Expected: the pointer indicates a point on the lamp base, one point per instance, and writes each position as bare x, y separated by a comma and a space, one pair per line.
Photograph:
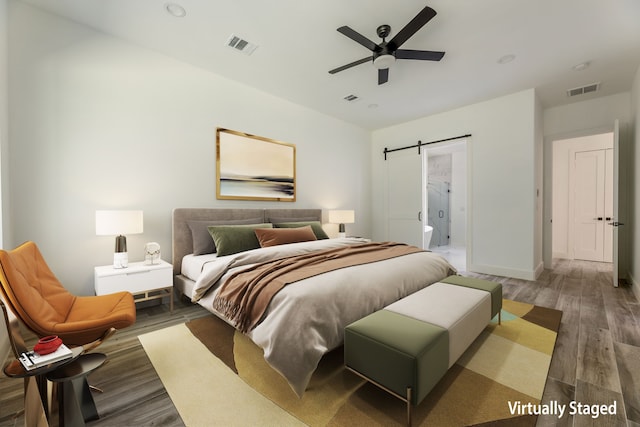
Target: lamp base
120, 260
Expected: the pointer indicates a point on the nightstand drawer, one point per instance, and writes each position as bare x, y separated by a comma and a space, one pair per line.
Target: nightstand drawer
137, 278
134, 282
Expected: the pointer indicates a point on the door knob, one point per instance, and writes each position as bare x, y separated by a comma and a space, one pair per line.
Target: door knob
598, 219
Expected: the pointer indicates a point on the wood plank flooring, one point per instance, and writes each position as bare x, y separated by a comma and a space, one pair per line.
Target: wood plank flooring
596, 360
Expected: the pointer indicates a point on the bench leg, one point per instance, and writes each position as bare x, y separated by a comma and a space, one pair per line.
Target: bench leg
409, 406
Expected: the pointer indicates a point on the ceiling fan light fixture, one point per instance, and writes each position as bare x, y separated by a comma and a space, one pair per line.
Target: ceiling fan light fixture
384, 61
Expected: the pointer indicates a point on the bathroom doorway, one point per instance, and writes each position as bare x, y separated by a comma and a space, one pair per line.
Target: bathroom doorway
445, 171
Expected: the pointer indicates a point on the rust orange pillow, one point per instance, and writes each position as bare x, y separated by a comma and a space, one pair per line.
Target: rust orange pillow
281, 236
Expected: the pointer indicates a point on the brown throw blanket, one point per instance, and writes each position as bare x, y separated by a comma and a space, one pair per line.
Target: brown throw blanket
243, 298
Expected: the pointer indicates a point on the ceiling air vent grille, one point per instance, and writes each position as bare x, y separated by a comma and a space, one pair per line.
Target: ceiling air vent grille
593, 87
239, 44
350, 98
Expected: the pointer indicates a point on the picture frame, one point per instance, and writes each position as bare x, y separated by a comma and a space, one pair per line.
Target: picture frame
250, 167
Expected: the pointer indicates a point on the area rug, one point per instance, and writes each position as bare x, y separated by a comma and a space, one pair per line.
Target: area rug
217, 376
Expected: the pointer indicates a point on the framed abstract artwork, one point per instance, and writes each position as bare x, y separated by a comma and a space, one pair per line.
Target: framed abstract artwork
250, 167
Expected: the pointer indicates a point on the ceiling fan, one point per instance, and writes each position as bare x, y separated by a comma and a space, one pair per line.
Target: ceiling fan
386, 53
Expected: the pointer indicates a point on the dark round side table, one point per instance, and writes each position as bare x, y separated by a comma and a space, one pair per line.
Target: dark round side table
36, 408
71, 388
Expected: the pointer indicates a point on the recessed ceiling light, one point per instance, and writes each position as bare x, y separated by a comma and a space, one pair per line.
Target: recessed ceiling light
174, 9
581, 66
506, 58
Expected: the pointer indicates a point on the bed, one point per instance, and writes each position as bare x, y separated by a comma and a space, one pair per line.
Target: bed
304, 317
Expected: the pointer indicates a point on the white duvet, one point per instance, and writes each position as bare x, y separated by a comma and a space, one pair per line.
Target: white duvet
306, 319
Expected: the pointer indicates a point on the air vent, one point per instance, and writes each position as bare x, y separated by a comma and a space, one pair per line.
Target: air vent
239, 44
350, 97
593, 87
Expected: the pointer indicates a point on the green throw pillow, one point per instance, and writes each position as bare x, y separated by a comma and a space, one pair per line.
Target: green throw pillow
231, 239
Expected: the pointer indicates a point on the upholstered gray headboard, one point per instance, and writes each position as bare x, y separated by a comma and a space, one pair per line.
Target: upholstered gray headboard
182, 241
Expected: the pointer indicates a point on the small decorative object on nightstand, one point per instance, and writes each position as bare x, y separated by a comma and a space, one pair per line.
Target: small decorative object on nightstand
145, 282
151, 253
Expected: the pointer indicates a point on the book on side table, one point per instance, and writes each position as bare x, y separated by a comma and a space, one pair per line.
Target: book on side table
32, 360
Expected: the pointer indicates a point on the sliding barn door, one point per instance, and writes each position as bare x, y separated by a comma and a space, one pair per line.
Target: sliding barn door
404, 197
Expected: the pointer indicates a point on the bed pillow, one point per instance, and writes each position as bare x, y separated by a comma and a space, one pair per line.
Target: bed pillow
202, 241
231, 239
316, 226
281, 236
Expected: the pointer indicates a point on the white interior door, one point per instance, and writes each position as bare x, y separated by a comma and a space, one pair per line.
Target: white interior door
404, 197
589, 214
615, 208
608, 206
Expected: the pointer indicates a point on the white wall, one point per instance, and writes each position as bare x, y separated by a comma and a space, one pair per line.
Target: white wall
4, 163
97, 123
582, 119
634, 191
502, 177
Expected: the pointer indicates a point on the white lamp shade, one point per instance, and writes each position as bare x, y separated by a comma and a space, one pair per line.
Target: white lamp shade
113, 223
342, 217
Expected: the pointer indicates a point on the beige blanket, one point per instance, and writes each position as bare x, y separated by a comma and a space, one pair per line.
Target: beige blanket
245, 295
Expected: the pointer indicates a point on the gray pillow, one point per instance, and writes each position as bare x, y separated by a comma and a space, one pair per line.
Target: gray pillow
202, 241
231, 239
316, 226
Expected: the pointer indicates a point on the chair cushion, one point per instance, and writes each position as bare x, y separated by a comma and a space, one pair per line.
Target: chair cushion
91, 316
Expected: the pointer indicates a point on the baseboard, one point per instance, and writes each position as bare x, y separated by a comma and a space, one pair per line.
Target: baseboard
506, 272
562, 255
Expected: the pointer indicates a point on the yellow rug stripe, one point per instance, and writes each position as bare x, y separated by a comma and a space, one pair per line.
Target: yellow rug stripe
203, 389
507, 363
329, 389
527, 334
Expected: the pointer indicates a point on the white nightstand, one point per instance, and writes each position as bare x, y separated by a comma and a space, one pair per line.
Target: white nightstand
145, 282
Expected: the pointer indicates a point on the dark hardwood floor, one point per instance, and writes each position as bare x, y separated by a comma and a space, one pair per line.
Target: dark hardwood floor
596, 360
597, 356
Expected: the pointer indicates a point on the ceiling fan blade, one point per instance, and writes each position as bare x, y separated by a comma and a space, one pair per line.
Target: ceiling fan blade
412, 27
383, 75
426, 55
352, 64
358, 38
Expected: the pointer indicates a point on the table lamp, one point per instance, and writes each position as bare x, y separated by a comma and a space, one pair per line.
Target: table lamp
119, 223
341, 217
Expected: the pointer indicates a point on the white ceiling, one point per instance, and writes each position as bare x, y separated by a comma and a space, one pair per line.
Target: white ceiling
298, 45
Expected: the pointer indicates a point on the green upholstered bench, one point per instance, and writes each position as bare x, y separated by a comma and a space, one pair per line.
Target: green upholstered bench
407, 347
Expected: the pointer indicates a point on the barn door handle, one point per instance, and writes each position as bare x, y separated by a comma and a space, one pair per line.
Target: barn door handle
420, 216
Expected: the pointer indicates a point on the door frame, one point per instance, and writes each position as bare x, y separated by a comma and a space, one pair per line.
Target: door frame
446, 148
547, 247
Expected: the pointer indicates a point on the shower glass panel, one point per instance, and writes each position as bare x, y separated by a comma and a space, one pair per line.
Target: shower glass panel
438, 212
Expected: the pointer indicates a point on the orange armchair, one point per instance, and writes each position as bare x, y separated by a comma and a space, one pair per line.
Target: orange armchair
37, 297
